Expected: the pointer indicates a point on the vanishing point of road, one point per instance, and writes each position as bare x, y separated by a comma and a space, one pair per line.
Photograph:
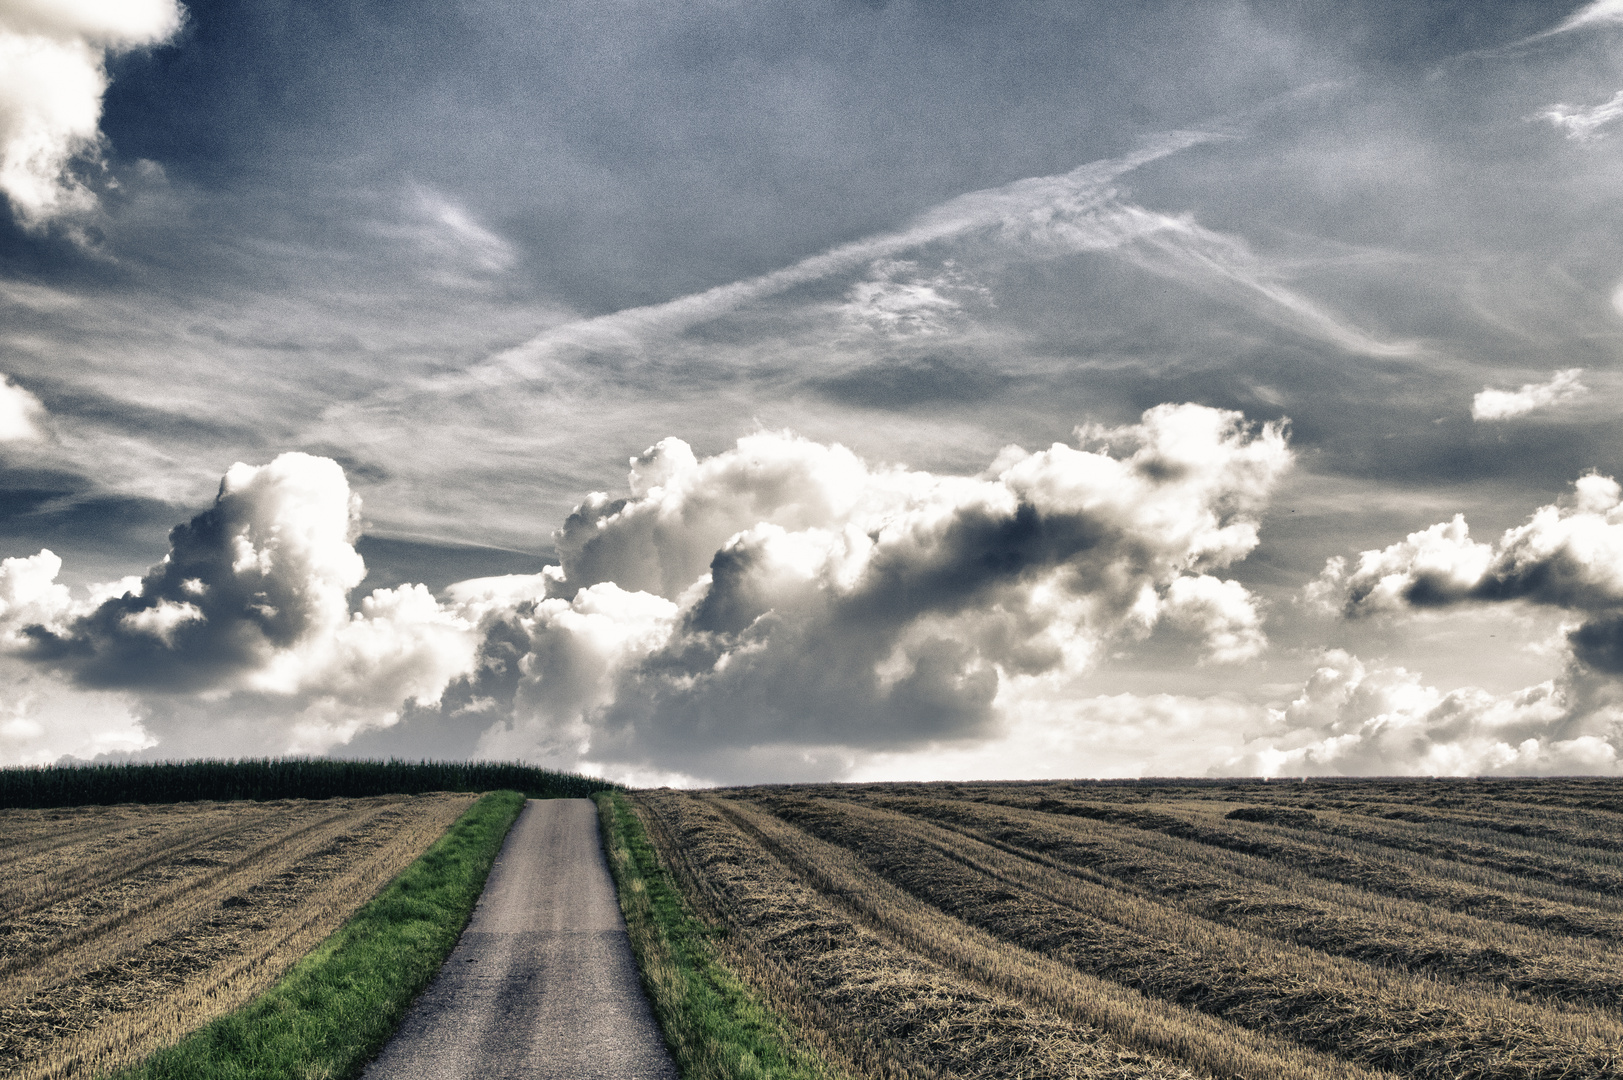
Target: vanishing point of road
542, 984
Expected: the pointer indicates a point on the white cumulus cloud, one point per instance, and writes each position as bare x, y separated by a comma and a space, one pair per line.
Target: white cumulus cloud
1353, 720
31, 597
1567, 555
787, 594
783, 597
52, 77
20, 413
250, 610
1561, 388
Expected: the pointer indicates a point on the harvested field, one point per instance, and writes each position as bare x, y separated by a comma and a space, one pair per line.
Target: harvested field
1429, 929
124, 927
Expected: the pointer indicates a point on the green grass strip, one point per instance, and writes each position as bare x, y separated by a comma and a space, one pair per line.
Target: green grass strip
335, 1009
715, 1025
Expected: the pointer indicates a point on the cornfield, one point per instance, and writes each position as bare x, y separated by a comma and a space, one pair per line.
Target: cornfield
34, 787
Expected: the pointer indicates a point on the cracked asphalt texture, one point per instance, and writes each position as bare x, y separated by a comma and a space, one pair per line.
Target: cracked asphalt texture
542, 984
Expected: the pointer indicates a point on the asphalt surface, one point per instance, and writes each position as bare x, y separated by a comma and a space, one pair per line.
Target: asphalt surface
542, 984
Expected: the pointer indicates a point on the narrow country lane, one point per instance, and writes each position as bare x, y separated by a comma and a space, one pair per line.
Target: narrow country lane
542, 984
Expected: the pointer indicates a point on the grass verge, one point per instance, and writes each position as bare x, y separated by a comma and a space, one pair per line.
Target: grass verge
715, 1025
338, 1005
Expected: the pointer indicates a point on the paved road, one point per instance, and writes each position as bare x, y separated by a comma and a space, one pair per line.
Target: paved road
542, 984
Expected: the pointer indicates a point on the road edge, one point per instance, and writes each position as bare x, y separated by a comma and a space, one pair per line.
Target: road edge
334, 1010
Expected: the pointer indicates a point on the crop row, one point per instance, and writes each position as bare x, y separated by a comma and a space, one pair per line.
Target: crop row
1231, 930
110, 965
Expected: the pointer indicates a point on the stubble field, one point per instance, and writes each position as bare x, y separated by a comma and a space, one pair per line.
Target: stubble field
1278, 931
124, 927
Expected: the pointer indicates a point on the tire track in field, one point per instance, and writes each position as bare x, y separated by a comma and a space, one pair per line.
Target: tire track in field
1485, 894
55, 884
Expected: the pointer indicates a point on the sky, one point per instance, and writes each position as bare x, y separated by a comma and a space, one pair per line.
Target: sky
844, 390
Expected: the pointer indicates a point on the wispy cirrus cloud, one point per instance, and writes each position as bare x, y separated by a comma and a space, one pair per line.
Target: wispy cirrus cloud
1584, 124
1599, 13
1072, 212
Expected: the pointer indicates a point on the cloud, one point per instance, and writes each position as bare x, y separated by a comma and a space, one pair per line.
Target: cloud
786, 594
1041, 216
781, 594
442, 240
31, 597
44, 719
1014, 210
250, 610
1583, 124
20, 413
1222, 613
1562, 387
897, 300
1348, 718
1566, 556
1060, 730
1598, 13
52, 77
1352, 720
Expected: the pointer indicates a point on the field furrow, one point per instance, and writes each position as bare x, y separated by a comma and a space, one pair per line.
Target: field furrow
61, 874
1340, 924
1453, 886
1538, 823
148, 997
888, 1011
38, 839
1208, 1044
1364, 1014
1543, 859
135, 975
70, 932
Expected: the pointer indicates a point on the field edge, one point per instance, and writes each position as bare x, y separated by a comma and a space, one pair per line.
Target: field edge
331, 1013
716, 1026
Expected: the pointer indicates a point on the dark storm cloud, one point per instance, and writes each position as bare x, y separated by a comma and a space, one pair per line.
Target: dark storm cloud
1598, 644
